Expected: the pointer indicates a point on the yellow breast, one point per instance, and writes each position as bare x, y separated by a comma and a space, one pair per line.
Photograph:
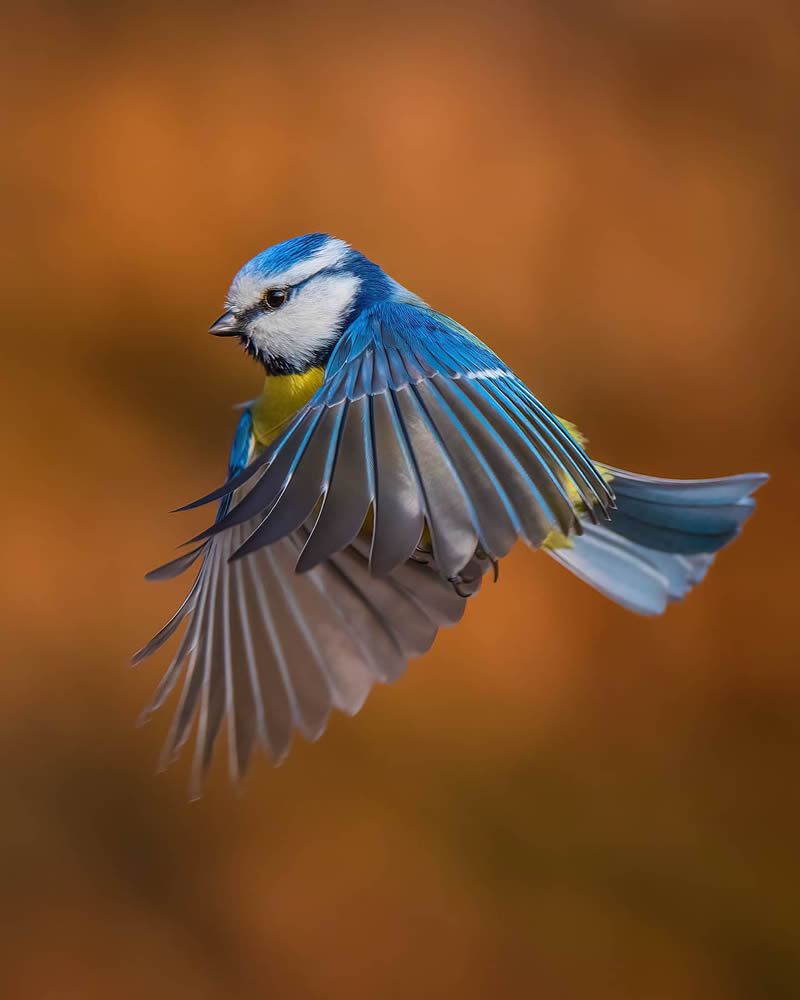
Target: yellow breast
281, 397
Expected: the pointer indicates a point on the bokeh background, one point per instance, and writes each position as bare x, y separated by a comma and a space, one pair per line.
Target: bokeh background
561, 800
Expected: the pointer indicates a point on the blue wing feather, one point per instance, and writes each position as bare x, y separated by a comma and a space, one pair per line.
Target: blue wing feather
485, 453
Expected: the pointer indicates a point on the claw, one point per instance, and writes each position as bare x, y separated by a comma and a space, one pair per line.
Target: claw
459, 581
480, 554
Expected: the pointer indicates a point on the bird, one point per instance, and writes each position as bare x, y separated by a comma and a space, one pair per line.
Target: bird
388, 465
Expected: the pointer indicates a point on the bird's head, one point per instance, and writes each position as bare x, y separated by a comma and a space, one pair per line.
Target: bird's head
290, 304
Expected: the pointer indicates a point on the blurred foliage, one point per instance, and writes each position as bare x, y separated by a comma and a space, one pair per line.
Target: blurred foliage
562, 800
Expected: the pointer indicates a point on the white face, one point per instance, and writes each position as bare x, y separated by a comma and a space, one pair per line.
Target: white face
309, 320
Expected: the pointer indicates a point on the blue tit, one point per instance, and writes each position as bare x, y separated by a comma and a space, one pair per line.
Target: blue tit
391, 460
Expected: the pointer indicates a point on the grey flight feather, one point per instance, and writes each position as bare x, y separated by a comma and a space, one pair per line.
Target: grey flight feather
268, 650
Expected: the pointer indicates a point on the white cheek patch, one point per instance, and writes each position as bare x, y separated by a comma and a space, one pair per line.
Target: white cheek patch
308, 322
248, 288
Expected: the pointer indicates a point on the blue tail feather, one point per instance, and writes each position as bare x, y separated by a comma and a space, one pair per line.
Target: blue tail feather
661, 539
682, 516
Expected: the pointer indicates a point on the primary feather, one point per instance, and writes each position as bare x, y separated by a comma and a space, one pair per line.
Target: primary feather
391, 460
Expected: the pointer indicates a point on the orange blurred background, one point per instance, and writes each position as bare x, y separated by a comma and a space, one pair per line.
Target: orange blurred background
562, 800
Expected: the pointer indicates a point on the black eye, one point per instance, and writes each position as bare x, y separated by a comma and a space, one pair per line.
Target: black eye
275, 298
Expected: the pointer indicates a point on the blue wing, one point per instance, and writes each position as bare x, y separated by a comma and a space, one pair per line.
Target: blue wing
420, 422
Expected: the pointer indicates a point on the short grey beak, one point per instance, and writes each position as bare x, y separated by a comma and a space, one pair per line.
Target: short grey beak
226, 325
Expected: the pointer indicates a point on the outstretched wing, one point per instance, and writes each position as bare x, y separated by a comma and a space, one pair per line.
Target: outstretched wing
417, 423
269, 650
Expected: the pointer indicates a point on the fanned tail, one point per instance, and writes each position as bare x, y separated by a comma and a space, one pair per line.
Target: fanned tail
662, 537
